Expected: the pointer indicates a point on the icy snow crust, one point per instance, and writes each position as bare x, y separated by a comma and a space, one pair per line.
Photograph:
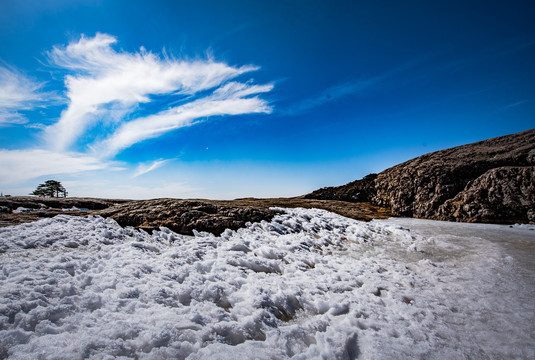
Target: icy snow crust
309, 284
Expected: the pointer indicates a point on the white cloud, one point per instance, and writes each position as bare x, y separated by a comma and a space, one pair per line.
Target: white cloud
104, 88
104, 76
121, 190
17, 92
22, 165
145, 168
227, 100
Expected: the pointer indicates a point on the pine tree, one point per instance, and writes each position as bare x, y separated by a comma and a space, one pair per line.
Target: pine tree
51, 188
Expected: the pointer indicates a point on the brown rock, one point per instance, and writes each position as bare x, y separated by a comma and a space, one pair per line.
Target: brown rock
502, 193
357, 191
184, 216
491, 179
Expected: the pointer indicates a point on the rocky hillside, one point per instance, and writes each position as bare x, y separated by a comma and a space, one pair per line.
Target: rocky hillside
488, 181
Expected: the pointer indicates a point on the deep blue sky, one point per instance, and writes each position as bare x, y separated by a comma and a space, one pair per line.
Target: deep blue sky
351, 87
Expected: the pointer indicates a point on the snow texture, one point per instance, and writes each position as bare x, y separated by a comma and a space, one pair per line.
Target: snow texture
307, 285
21, 210
74, 208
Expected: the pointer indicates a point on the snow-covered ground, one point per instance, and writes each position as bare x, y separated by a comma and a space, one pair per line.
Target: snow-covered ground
308, 285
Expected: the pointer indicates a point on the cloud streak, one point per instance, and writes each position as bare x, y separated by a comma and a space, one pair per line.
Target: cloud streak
104, 78
17, 93
352, 87
111, 105
27, 164
146, 168
228, 100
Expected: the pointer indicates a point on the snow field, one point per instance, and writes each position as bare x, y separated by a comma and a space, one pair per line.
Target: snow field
309, 284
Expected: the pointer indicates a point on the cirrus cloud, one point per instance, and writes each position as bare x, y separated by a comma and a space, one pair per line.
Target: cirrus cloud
107, 85
227, 100
146, 168
31, 163
17, 93
115, 99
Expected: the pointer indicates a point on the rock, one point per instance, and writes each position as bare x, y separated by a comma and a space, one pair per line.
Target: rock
487, 181
357, 191
184, 216
33, 202
501, 193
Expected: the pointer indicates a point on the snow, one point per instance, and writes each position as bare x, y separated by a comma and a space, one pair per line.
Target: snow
74, 208
307, 285
22, 209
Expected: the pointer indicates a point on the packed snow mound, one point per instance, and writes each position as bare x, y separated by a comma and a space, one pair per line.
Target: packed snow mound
309, 284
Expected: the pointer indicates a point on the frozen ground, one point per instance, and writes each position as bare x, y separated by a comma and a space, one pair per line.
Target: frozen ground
308, 285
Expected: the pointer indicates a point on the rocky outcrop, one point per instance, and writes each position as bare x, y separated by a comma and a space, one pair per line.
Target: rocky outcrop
21, 209
184, 216
214, 216
487, 181
357, 191
501, 193
44, 203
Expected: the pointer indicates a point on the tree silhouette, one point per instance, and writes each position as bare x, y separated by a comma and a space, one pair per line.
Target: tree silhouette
51, 188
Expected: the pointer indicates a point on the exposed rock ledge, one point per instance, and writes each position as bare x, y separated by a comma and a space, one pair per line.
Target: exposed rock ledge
182, 216
488, 181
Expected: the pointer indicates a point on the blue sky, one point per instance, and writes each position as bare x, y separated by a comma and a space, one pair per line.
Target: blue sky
227, 99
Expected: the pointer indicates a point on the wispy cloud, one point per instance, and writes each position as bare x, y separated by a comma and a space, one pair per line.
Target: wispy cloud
518, 103
133, 190
27, 164
352, 87
332, 93
17, 93
105, 78
145, 168
230, 99
105, 89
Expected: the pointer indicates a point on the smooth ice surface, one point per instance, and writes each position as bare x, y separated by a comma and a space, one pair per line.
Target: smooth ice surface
309, 284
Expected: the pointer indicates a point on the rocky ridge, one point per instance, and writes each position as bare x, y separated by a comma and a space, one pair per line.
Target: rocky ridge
182, 216
488, 181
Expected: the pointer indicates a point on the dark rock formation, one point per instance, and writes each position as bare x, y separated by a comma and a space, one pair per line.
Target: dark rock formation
33, 202
214, 216
184, 216
487, 181
501, 193
37, 208
357, 191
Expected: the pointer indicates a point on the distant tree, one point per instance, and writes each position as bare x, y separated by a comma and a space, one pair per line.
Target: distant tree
51, 188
